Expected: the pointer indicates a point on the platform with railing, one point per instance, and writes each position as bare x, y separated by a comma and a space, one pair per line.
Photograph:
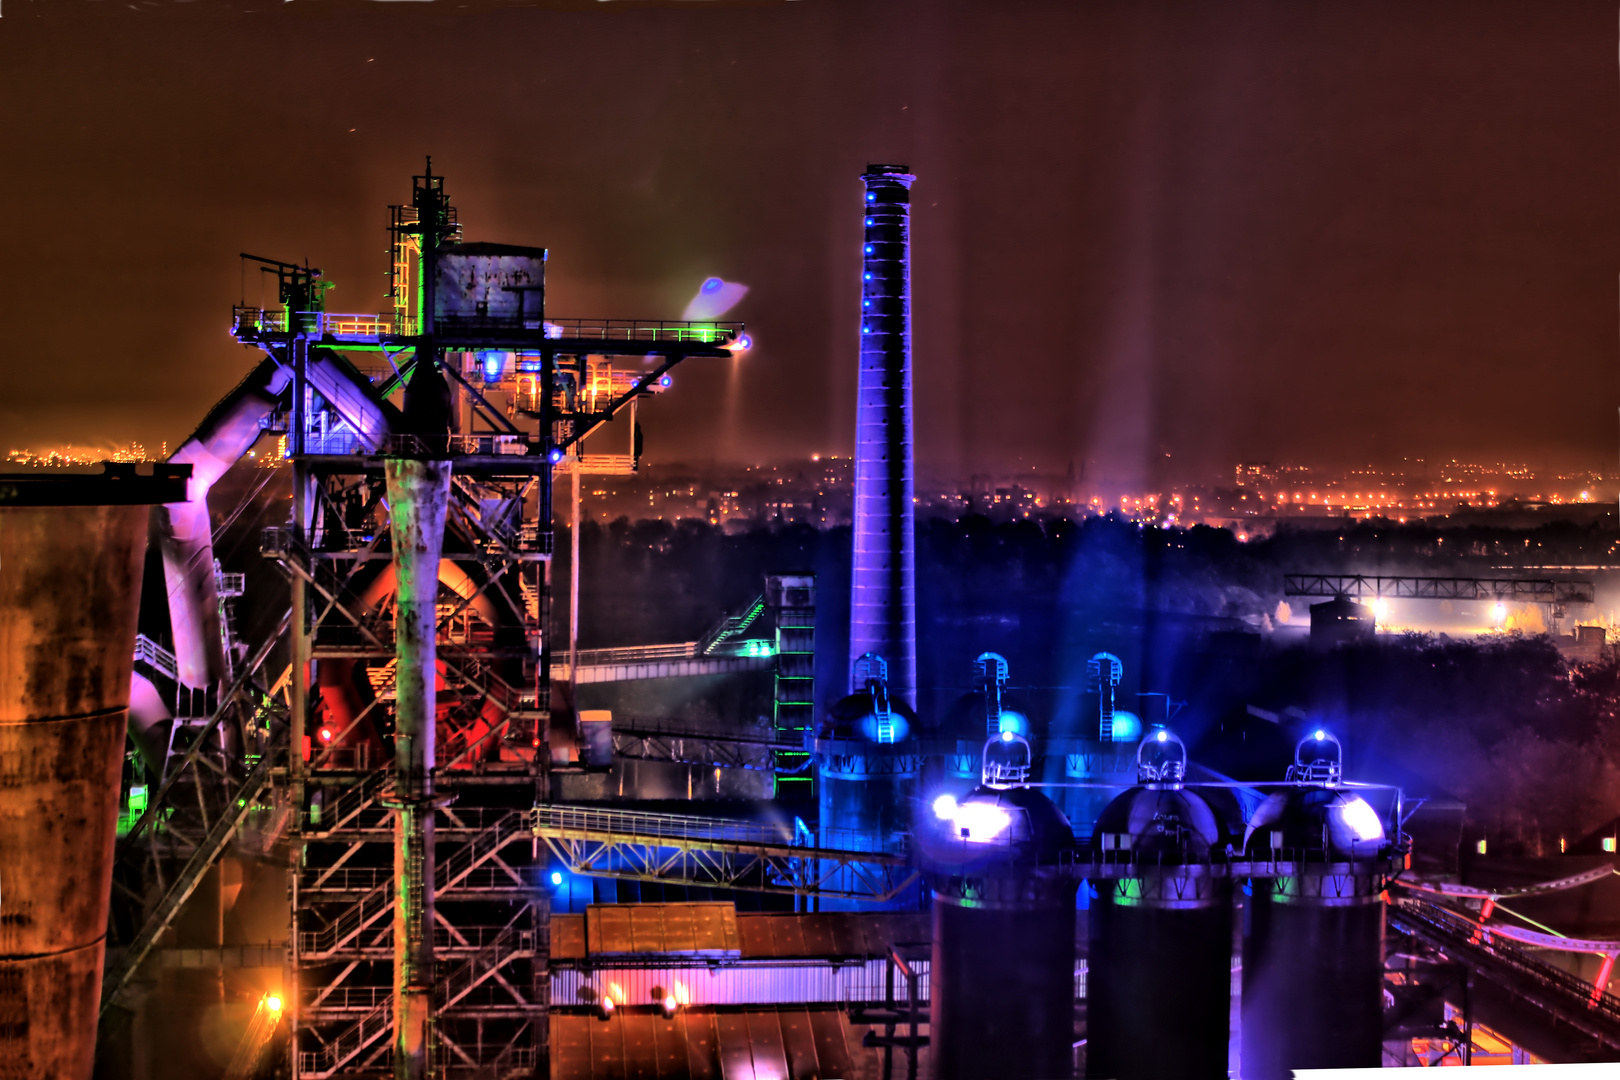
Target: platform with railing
252, 324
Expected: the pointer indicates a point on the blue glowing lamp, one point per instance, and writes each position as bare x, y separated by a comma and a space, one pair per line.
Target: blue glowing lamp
665, 381
556, 877
1320, 734
945, 807
1162, 736
555, 456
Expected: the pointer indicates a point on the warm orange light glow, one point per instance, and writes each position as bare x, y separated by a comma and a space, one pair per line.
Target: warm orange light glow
273, 1003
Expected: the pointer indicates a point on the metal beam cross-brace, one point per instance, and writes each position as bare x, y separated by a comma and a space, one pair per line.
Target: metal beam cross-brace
715, 854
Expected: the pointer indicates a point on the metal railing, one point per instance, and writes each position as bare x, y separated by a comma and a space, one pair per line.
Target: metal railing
637, 654
509, 944
348, 999
717, 333
1462, 936
155, 656
251, 321
365, 879
693, 831
318, 1064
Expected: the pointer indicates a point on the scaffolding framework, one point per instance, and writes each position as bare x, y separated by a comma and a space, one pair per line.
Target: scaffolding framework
526, 392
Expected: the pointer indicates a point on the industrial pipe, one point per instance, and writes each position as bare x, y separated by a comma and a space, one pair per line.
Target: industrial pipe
418, 497
71, 552
185, 531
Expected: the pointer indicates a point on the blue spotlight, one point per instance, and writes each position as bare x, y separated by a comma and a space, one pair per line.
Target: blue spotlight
555, 456
556, 877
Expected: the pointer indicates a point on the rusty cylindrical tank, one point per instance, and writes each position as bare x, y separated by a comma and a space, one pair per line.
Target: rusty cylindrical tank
71, 550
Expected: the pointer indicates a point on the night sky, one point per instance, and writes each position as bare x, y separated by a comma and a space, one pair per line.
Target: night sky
1321, 232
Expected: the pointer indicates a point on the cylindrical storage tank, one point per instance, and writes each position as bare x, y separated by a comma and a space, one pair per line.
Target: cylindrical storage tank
71, 550
867, 766
1159, 967
1313, 948
1001, 985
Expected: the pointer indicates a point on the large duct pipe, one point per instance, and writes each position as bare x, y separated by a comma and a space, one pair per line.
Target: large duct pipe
418, 496
185, 531
883, 597
70, 584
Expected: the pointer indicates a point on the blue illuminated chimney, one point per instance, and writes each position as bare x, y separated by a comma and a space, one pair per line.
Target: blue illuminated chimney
883, 600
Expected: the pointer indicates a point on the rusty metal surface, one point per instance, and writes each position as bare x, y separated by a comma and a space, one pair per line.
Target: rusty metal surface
69, 593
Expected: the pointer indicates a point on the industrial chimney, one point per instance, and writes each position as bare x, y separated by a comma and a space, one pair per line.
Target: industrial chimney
883, 595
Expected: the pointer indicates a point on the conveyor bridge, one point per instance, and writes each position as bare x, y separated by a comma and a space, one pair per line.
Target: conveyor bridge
716, 853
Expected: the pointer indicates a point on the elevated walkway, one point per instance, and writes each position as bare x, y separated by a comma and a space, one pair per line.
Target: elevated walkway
654, 662
715, 853
1553, 1014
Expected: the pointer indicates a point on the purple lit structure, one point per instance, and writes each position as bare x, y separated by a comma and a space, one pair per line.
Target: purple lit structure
883, 594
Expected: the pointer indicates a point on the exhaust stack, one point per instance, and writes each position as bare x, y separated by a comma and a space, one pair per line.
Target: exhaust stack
883, 595
71, 552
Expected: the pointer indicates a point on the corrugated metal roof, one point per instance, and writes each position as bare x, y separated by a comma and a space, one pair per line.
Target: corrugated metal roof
690, 929
780, 1043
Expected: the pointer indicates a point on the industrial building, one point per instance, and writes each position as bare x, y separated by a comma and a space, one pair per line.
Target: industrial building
402, 777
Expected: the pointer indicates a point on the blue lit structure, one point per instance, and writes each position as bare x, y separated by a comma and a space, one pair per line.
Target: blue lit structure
1000, 864
1160, 928
867, 759
883, 593
1101, 754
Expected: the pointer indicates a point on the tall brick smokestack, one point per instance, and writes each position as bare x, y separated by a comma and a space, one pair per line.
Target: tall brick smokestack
883, 600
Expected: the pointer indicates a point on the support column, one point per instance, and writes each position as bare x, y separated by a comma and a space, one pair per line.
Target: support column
573, 581
418, 494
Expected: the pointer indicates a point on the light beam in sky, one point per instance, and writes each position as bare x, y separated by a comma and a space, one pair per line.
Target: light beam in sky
714, 298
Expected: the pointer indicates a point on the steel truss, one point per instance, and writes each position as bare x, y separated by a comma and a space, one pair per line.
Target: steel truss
1521, 590
556, 383
718, 854
645, 740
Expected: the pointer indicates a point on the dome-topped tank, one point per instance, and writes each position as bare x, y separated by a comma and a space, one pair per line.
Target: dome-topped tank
1100, 749
1156, 821
1001, 863
857, 717
993, 824
1160, 964
1313, 951
984, 712
867, 761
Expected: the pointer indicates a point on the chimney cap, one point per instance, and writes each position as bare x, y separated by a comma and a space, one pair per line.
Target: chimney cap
887, 170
